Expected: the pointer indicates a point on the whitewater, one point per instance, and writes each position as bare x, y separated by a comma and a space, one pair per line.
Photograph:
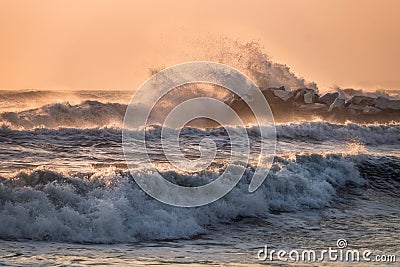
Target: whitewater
65, 188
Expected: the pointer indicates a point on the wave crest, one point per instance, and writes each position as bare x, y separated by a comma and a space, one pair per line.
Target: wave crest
87, 114
107, 206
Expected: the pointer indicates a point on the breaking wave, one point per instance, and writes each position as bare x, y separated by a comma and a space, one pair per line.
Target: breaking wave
369, 134
107, 206
87, 114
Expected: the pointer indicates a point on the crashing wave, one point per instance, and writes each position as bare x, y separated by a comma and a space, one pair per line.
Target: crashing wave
87, 114
107, 206
368, 134
286, 106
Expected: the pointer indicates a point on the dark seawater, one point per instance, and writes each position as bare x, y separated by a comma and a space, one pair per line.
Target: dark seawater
67, 198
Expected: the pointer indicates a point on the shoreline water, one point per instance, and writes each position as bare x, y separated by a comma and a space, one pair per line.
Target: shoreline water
66, 197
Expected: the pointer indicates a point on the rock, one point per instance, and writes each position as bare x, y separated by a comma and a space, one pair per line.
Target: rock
313, 106
352, 92
337, 104
371, 110
363, 100
327, 99
384, 103
343, 95
353, 112
355, 107
358, 109
283, 94
299, 94
310, 97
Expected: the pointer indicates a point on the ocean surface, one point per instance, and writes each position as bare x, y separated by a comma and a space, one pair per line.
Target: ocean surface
68, 199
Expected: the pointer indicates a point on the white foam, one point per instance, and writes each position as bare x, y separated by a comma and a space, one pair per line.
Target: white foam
84, 115
107, 206
373, 134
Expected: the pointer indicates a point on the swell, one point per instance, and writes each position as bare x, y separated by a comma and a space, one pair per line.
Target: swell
89, 113
22, 100
368, 134
95, 113
107, 206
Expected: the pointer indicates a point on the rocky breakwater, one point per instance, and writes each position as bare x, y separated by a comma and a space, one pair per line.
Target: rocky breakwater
308, 104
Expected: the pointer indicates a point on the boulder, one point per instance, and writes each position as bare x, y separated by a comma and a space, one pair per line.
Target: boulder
310, 97
327, 99
356, 107
384, 103
343, 95
371, 110
299, 94
363, 100
353, 112
283, 94
337, 104
313, 107
365, 109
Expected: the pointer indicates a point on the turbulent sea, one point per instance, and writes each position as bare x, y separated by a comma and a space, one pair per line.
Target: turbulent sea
67, 198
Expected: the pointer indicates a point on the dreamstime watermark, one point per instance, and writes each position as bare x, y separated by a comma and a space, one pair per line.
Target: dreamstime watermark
154, 89
340, 253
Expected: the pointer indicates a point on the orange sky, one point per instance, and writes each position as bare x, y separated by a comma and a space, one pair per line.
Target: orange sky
110, 44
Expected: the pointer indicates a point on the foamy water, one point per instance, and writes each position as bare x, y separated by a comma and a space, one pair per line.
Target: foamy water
66, 196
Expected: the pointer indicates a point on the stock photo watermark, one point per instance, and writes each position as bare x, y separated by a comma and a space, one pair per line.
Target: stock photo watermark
340, 253
152, 91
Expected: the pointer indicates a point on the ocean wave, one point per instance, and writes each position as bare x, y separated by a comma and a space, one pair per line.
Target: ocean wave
94, 113
86, 114
20, 100
367, 134
107, 206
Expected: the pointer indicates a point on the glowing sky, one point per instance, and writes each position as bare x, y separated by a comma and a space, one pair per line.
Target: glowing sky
99, 44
